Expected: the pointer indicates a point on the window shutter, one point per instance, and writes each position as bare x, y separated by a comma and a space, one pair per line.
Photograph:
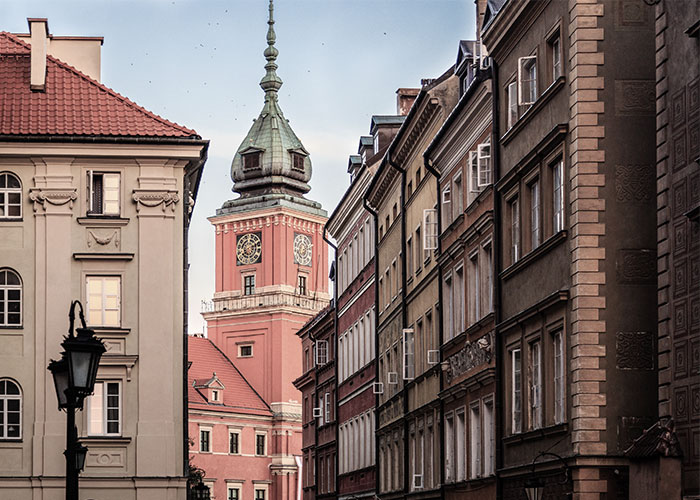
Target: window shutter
430, 236
484, 164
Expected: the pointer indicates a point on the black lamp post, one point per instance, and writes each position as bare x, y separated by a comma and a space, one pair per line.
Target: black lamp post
74, 378
534, 486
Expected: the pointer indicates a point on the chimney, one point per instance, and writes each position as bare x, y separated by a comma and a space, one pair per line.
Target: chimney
39, 33
404, 100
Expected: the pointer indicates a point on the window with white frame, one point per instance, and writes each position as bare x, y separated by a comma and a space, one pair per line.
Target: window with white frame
458, 301
558, 196
461, 445
554, 44
10, 410
527, 79
104, 409
409, 257
260, 443
514, 213
535, 231
104, 300
474, 172
10, 298
475, 441
449, 448
419, 250
249, 284
535, 385
245, 350
321, 347
559, 377
512, 100
457, 205
409, 367
489, 438
327, 402
484, 164
446, 206
234, 442
515, 391
10, 196
430, 233
233, 493
103, 193
260, 493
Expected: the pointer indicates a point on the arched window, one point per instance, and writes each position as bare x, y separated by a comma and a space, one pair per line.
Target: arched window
10, 196
10, 298
10, 410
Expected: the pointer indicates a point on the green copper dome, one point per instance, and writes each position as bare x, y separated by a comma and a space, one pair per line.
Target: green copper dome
271, 159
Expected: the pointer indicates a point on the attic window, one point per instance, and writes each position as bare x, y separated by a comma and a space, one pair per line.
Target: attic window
298, 162
215, 395
251, 161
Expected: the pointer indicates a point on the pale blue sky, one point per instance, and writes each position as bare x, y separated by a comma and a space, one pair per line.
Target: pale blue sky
198, 63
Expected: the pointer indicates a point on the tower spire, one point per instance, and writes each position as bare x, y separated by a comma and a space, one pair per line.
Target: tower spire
271, 83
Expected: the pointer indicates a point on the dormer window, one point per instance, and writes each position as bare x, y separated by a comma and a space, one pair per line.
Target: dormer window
215, 396
298, 162
251, 160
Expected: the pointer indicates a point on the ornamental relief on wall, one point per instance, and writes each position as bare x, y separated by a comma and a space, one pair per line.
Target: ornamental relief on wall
473, 354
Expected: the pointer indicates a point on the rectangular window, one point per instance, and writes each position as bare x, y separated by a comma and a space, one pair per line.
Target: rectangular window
449, 448
474, 289
104, 410
419, 250
515, 394
302, 285
458, 301
558, 196
245, 351
559, 387
512, 103
409, 366
233, 494
103, 193
249, 284
475, 441
489, 438
234, 438
448, 310
104, 300
298, 162
527, 78
446, 206
205, 440
514, 212
409, 257
535, 385
430, 235
457, 205
260, 444
409, 189
487, 263
327, 401
460, 438
251, 160
321, 347
484, 164
259, 494
535, 215
474, 171
555, 51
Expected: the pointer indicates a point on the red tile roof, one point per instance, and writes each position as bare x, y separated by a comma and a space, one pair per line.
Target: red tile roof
73, 104
238, 395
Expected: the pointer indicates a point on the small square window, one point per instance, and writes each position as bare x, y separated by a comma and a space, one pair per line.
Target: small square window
245, 351
251, 161
249, 284
298, 162
302, 285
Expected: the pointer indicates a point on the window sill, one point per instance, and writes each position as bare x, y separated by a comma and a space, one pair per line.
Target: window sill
11, 327
11, 219
531, 435
105, 440
10, 440
533, 109
103, 221
103, 256
535, 254
110, 330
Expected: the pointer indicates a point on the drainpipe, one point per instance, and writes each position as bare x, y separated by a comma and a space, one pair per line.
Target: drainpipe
404, 312
498, 265
375, 217
335, 351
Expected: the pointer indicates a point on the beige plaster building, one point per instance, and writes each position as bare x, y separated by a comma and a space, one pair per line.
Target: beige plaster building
95, 197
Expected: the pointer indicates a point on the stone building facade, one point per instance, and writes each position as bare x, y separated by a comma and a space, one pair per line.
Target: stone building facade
96, 195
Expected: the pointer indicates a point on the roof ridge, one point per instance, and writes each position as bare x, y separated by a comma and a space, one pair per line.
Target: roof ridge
239, 372
104, 88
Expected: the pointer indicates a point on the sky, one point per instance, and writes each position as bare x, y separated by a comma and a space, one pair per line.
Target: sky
198, 63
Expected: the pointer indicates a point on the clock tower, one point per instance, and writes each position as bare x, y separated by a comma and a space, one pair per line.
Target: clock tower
271, 264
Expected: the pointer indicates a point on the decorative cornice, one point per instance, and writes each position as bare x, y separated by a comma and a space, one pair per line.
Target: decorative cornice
52, 196
155, 197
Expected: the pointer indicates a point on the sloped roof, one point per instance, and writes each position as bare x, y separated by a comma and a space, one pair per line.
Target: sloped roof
72, 104
238, 395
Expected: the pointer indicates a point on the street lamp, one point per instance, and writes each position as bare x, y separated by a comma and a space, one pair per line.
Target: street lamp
534, 486
200, 491
74, 378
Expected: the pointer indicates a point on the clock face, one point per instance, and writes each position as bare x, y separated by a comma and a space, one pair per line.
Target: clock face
249, 249
302, 249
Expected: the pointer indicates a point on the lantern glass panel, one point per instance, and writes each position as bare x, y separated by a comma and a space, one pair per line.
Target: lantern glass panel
80, 369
